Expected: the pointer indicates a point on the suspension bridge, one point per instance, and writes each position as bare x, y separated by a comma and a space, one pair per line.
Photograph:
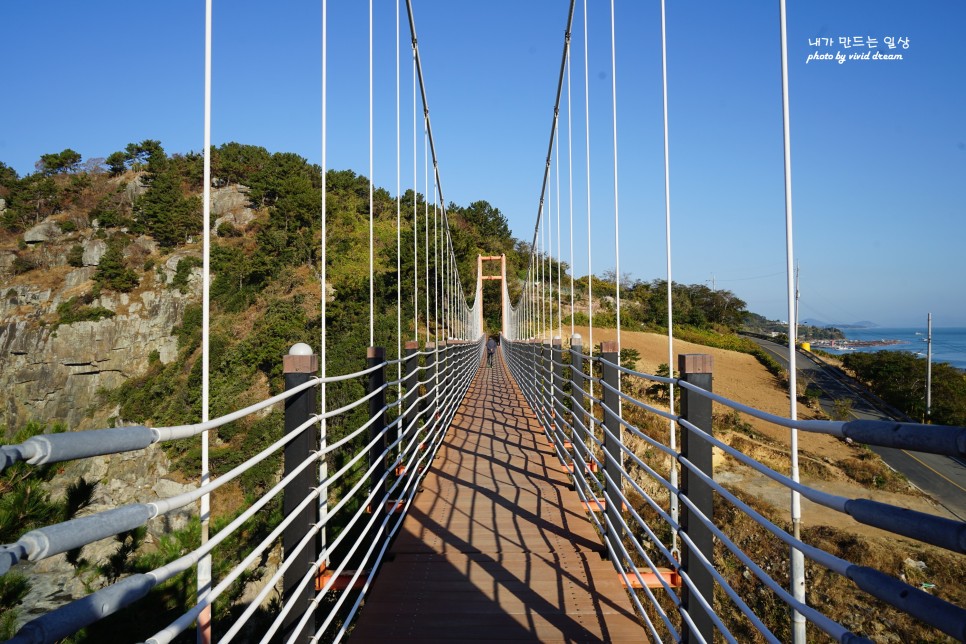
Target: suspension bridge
527, 500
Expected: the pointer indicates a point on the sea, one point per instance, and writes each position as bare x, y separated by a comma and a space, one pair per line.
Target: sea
948, 343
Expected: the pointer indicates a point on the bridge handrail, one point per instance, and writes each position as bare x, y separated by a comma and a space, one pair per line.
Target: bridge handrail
578, 473
65, 620
918, 603
68, 446
934, 439
922, 526
539, 376
452, 375
75, 533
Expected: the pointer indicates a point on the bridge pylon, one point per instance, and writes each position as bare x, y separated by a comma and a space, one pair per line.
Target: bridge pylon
503, 290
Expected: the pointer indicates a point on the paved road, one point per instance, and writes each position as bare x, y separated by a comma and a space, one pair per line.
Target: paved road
941, 477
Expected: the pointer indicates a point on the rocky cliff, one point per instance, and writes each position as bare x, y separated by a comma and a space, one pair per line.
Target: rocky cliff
53, 368
53, 371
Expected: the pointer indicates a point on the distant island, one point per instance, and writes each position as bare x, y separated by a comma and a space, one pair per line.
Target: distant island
808, 330
863, 324
846, 345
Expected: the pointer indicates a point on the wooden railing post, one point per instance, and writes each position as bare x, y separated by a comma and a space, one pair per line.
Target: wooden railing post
696, 409
298, 367
613, 438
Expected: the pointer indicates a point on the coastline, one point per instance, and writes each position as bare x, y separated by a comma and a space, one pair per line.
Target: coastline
948, 343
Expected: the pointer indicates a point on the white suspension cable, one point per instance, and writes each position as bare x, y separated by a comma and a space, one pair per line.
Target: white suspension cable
672, 426
426, 217
547, 273
543, 281
559, 287
590, 267
570, 186
399, 352
372, 283
323, 426
415, 213
436, 276
204, 566
617, 244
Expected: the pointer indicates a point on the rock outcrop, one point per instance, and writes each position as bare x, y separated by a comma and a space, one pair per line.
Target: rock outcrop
54, 372
51, 370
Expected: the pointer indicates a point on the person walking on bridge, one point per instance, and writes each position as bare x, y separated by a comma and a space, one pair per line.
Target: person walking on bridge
490, 348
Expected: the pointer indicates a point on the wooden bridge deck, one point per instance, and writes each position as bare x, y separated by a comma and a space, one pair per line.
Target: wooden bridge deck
496, 546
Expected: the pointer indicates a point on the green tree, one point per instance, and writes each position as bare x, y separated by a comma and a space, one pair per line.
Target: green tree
60, 162
75, 256
166, 213
237, 163
117, 163
147, 153
8, 176
112, 271
31, 200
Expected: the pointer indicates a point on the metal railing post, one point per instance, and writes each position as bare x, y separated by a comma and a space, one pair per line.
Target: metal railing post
410, 382
299, 366
429, 403
696, 369
439, 376
577, 401
613, 437
377, 410
544, 381
557, 380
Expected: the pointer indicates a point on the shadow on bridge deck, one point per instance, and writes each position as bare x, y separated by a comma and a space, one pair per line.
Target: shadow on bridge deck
496, 545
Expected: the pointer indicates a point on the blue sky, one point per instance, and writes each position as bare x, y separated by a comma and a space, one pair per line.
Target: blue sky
878, 147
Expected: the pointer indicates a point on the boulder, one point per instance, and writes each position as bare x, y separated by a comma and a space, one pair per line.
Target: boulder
94, 249
230, 205
135, 189
229, 199
44, 231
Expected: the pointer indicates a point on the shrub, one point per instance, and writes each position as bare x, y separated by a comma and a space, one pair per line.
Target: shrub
112, 272
22, 264
75, 257
227, 229
183, 272
76, 310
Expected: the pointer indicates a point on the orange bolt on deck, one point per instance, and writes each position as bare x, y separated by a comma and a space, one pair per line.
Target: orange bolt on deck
589, 466
391, 507
496, 547
342, 581
599, 505
652, 579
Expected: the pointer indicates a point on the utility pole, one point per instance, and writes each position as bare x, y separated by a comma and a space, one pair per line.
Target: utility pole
928, 366
798, 295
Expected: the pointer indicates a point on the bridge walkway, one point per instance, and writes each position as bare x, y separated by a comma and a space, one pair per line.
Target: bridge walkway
496, 545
